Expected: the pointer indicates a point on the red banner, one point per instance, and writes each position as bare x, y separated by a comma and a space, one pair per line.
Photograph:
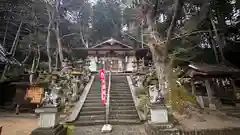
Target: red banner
103, 86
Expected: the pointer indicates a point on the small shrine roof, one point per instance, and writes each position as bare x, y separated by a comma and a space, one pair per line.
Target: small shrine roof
210, 70
111, 42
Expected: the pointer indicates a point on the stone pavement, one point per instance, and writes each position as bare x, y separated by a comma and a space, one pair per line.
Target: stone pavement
117, 130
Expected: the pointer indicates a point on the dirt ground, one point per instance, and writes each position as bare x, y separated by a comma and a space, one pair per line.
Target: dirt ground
17, 125
214, 120
22, 124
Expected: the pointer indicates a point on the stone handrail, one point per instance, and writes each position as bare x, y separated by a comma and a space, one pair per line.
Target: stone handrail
108, 97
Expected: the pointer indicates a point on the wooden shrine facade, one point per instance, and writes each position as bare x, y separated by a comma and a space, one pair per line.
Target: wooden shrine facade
112, 54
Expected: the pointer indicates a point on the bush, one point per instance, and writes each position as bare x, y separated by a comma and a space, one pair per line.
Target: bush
178, 95
143, 105
141, 91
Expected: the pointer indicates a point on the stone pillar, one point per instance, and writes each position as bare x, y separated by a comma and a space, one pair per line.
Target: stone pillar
49, 122
209, 93
193, 87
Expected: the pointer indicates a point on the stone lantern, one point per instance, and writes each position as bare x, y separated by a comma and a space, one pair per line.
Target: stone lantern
159, 113
48, 123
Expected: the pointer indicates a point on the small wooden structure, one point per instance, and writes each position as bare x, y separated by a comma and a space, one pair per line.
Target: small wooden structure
27, 95
213, 84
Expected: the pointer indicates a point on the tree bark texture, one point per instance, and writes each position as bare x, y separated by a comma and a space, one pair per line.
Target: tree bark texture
60, 49
57, 32
48, 42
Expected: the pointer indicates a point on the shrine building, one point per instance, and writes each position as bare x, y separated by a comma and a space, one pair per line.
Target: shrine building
124, 58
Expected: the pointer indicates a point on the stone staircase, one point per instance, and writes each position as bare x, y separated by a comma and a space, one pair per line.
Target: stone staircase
122, 108
93, 111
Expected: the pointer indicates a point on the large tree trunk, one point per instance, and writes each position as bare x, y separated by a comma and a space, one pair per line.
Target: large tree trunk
160, 68
35, 65
159, 49
56, 59
83, 41
57, 32
219, 41
60, 50
48, 42
32, 70
213, 45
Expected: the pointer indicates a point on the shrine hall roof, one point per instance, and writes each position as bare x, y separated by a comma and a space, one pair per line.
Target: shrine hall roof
204, 69
111, 42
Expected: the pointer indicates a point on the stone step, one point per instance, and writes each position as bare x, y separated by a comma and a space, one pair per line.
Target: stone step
120, 98
124, 122
124, 116
115, 83
93, 104
116, 88
121, 104
92, 117
82, 113
90, 108
93, 97
126, 91
237, 115
102, 122
89, 123
119, 84
119, 87
93, 94
121, 94
120, 90
93, 101
115, 112
121, 101
122, 107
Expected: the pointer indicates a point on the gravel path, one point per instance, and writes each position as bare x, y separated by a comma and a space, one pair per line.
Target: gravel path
117, 130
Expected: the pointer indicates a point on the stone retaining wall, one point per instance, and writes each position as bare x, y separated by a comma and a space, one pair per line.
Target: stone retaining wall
154, 130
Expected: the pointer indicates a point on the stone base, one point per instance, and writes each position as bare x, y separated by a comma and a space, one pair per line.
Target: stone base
159, 114
58, 130
107, 128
